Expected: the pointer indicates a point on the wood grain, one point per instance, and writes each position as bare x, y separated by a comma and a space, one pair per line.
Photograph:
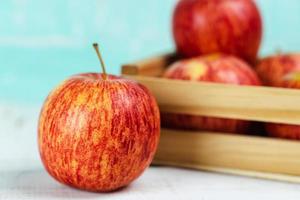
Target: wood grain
248, 173
228, 101
257, 157
149, 67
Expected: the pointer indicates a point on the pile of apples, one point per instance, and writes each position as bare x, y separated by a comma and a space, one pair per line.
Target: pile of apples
218, 41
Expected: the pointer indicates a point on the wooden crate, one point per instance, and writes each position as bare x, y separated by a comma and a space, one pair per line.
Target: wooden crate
236, 154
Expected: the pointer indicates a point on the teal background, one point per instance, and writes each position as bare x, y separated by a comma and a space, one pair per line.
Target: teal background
43, 42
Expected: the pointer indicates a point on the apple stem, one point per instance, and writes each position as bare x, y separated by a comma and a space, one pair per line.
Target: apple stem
96, 47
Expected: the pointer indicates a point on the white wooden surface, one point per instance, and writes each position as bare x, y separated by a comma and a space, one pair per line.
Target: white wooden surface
23, 177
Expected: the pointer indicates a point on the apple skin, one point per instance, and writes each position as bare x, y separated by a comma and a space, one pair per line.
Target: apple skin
217, 68
98, 135
210, 26
272, 69
285, 131
292, 81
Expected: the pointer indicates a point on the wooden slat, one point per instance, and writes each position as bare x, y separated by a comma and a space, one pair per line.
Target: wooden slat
257, 157
229, 101
248, 173
149, 67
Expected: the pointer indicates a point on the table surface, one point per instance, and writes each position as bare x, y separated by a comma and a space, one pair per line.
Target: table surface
155, 183
23, 177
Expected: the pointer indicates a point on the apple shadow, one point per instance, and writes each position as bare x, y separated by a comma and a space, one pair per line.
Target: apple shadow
38, 184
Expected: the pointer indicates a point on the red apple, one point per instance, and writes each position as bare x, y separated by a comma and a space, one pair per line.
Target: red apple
98, 132
209, 26
291, 80
214, 68
272, 69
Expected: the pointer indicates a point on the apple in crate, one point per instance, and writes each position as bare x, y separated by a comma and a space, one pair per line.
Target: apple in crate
98, 132
217, 68
292, 81
272, 69
228, 26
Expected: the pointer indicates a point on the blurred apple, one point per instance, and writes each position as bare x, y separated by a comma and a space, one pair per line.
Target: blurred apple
217, 68
291, 80
272, 69
209, 26
98, 132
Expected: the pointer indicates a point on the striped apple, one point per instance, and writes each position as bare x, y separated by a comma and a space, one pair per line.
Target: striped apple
272, 69
217, 68
209, 26
98, 132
